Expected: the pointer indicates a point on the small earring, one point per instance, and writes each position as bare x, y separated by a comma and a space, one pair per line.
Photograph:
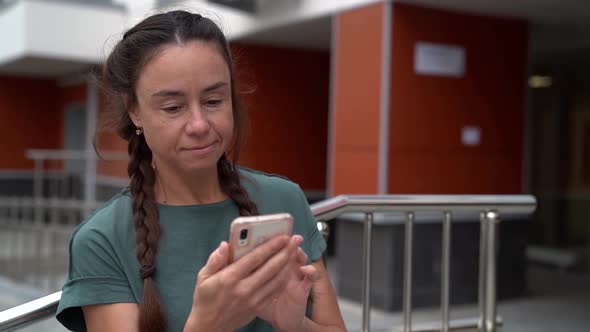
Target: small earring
138, 131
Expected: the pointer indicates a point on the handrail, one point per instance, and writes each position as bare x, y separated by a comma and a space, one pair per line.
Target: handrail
505, 204
490, 207
46, 154
29, 313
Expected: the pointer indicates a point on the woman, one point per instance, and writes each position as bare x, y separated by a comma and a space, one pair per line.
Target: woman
154, 257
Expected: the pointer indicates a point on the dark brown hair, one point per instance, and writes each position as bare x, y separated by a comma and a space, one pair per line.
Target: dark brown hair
118, 80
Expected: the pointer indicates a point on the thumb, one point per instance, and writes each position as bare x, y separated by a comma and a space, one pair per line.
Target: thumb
216, 262
310, 273
310, 276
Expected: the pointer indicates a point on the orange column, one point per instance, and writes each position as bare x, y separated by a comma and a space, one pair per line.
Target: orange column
356, 103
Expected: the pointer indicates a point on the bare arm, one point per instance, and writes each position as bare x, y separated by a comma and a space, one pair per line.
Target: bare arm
326, 314
115, 317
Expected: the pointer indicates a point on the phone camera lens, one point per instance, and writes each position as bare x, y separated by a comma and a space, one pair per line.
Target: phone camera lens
243, 234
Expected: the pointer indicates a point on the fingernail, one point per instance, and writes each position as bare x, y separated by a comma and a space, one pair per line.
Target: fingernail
297, 239
222, 249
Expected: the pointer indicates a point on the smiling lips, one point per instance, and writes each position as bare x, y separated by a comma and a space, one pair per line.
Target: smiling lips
202, 150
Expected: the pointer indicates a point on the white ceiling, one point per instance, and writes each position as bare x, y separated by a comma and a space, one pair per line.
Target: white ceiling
313, 34
556, 24
44, 67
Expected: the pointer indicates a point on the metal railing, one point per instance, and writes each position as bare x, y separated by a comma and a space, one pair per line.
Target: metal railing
34, 236
85, 160
490, 208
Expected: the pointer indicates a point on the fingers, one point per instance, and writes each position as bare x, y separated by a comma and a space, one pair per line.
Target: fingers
257, 257
301, 256
311, 275
271, 289
310, 272
216, 262
274, 265
306, 278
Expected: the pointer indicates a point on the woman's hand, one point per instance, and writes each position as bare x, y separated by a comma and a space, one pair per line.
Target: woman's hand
286, 312
228, 296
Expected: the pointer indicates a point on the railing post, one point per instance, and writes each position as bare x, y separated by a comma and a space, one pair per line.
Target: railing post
409, 237
38, 188
89, 154
53, 179
487, 272
366, 292
482, 271
446, 272
492, 219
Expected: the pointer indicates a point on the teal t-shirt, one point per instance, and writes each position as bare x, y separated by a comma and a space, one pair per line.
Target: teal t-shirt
103, 265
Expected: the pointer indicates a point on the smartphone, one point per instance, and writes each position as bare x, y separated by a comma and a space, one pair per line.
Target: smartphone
246, 233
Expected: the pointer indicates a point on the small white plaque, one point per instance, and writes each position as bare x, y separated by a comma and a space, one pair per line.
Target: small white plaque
439, 59
470, 135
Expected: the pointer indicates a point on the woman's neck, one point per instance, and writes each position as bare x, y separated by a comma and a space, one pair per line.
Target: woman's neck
179, 188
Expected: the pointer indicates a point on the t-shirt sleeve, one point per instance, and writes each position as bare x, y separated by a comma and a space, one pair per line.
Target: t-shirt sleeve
313, 244
95, 276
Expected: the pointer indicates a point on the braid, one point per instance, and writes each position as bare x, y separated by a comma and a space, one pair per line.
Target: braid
148, 231
231, 186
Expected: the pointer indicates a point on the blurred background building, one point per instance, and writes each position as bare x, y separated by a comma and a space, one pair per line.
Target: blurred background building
345, 97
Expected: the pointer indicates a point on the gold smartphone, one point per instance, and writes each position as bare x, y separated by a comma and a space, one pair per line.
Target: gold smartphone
246, 233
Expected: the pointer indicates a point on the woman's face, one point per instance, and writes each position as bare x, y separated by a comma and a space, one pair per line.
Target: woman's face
184, 106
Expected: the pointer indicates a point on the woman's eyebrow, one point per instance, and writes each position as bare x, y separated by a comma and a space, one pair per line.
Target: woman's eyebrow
168, 93
215, 86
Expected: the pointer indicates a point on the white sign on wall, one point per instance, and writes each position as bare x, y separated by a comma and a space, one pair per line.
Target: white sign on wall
470, 135
439, 59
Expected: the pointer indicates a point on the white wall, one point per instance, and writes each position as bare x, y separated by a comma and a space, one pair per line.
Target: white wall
58, 30
12, 32
70, 31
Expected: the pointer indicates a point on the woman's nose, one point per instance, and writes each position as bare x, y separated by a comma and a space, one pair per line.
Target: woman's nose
198, 123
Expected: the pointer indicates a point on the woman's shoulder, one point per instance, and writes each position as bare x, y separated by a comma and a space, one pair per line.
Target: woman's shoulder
273, 193
107, 219
267, 183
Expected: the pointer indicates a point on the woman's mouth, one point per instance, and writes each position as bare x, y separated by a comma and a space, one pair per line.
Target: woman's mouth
202, 150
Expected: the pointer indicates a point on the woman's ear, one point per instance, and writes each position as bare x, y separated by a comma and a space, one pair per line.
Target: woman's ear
132, 111
135, 118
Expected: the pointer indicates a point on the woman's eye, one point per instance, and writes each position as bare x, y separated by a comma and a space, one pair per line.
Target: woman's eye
213, 102
172, 109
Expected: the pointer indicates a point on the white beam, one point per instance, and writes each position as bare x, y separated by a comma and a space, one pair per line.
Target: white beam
12, 32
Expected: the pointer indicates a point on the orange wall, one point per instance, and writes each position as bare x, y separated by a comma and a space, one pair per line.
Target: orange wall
72, 94
110, 141
29, 119
357, 93
288, 111
427, 113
